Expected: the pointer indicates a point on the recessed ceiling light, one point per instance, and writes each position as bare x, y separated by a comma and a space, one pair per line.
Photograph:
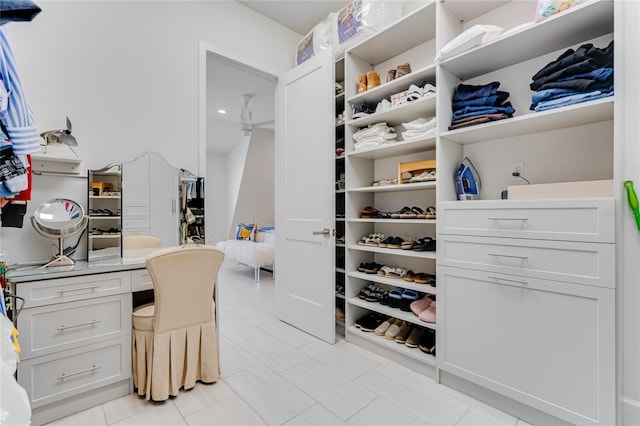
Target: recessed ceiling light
221, 111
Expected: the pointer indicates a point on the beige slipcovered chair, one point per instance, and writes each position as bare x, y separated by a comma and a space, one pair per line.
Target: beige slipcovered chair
175, 340
138, 241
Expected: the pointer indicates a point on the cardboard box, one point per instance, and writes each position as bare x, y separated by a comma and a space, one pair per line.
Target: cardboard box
586, 189
400, 98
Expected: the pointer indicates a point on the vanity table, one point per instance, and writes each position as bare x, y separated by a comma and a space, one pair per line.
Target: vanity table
75, 333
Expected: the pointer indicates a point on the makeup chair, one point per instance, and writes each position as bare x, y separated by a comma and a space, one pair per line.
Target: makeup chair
175, 339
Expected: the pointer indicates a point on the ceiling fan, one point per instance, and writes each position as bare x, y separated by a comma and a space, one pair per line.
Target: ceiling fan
246, 117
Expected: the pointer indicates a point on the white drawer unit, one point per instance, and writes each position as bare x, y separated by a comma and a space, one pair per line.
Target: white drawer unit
61, 375
527, 302
579, 263
141, 280
48, 329
47, 292
569, 220
550, 345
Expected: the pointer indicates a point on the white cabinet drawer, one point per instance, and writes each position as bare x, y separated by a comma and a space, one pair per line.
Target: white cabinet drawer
141, 280
543, 344
579, 263
47, 292
61, 375
48, 329
590, 220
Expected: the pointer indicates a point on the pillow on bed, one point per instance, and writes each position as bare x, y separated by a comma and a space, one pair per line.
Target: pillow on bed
245, 232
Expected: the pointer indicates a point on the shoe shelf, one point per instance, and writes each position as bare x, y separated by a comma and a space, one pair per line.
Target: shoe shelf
397, 85
405, 221
395, 149
104, 217
392, 312
397, 252
560, 118
104, 236
425, 107
414, 353
341, 270
341, 191
394, 282
397, 187
104, 197
589, 20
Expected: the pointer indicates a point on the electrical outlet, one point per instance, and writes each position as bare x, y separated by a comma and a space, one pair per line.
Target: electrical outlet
518, 169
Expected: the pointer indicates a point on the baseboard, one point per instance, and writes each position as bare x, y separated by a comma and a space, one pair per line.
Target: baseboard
630, 412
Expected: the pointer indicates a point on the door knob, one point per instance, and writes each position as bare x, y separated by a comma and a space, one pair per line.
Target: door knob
326, 232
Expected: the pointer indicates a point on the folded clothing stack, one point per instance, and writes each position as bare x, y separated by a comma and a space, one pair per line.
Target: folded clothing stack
576, 76
374, 135
479, 104
419, 128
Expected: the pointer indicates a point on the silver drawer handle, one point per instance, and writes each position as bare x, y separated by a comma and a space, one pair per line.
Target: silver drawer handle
508, 280
508, 218
508, 255
78, 289
88, 370
65, 327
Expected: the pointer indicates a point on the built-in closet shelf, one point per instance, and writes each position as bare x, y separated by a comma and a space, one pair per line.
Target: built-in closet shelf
396, 188
412, 30
104, 197
104, 217
340, 296
104, 237
575, 25
425, 107
395, 282
340, 158
560, 118
340, 219
340, 97
340, 245
392, 312
395, 86
412, 221
341, 270
414, 353
395, 149
341, 191
397, 252
340, 124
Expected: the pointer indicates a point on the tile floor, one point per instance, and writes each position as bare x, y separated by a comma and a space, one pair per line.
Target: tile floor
275, 374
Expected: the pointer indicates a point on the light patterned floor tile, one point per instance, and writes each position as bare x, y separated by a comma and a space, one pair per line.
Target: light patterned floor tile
413, 394
91, 417
275, 399
237, 330
522, 423
288, 334
201, 396
274, 353
230, 411
234, 359
339, 358
479, 417
385, 412
316, 416
162, 414
338, 394
124, 407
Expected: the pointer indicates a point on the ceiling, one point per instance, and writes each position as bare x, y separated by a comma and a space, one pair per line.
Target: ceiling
227, 81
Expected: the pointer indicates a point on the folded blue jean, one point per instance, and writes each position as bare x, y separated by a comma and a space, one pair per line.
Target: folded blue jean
571, 100
493, 100
572, 71
551, 94
17, 10
579, 83
472, 111
466, 91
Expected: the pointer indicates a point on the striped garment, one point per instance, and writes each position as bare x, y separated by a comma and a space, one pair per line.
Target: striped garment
17, 117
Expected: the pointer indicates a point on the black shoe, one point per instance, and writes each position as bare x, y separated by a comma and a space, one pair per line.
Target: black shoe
427, 343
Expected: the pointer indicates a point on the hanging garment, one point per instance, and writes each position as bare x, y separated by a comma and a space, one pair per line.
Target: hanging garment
17, 10
17, 117
12, 215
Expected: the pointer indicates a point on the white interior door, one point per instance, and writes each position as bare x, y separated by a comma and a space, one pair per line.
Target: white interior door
305, 197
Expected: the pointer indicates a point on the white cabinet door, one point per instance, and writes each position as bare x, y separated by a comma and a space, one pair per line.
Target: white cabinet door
305, 201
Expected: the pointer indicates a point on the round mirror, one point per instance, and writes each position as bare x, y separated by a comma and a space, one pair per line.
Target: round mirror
59, 218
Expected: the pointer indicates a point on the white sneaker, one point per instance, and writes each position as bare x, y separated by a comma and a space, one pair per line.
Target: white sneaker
383, 105
415, 93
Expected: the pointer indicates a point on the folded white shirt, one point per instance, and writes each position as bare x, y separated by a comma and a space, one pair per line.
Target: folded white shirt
420, 124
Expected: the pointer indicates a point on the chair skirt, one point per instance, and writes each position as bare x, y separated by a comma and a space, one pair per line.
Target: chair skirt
163, 363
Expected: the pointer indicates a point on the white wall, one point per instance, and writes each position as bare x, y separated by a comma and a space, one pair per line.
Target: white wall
216, 211
236, 159
126, 73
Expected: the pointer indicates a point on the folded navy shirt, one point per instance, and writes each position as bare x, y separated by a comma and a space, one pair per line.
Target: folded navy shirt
17, 10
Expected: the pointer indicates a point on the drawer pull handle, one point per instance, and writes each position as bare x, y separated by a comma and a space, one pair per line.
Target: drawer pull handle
508, 280
78, 289
509, 255
508, 218
87, 370
65, 327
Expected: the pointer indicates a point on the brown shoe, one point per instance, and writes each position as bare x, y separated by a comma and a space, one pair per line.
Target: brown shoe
362, 83
403, 69
391, 75
373, 79
404, 332
414, 337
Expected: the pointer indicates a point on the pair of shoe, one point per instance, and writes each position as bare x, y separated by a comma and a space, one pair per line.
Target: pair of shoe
402, 298
369, 268
416, 92
385, 182
425, 309
425, 176
368, 81
425, 244
427, 343
399, 71
390, 328
340, 317
392, 272
368, 212
419, 277
370, 321
372, 239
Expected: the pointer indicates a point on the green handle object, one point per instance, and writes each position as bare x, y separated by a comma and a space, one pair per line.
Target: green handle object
633, 200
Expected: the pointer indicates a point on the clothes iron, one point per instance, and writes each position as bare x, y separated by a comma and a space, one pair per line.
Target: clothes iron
467, 181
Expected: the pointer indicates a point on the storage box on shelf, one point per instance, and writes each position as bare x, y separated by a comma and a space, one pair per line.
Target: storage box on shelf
409, 41
104, 229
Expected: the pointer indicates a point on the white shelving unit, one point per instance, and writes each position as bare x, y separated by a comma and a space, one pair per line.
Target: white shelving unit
340, 174
104, 229
570, 144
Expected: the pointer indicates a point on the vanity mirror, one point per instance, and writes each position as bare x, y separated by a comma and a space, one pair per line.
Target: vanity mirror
59, 218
